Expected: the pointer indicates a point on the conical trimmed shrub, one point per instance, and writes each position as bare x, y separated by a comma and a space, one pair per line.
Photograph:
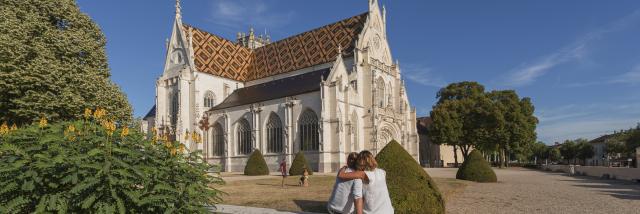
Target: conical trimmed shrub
256, 165
475, 168
298, 165
411, 189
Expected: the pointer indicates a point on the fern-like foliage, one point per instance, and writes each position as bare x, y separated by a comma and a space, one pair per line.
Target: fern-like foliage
91, 168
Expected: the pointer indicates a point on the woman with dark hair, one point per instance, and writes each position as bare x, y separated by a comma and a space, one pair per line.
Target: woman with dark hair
375, 192
347, 193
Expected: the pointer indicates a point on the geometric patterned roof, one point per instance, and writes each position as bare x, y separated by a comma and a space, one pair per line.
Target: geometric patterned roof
221, 57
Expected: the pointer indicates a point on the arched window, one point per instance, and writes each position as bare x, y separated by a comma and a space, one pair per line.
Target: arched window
380, 92
308, 129
209, 99
174, 108
243, 135
217, 143
274, 134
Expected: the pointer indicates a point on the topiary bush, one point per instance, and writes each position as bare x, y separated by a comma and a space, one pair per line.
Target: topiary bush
298, 165
94, 166
411, 189
256, 165
475, 168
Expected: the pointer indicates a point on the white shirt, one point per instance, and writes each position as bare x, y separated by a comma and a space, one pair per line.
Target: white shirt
343, 195
376, 194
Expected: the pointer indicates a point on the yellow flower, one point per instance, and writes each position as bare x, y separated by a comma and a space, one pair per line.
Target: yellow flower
168, 144
109, 126
14, 127
71, 128
125, 132
186, 135
43, 122
87, 113
99, 113
173, 151
4, 129
181, 148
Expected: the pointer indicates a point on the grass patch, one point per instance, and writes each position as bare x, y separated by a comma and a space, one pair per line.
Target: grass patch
268, 193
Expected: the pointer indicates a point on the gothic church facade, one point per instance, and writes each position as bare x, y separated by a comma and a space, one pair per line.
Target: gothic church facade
325, 92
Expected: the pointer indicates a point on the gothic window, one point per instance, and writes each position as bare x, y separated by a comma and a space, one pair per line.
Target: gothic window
274, 134
209, 99
380, 92
308, 129
174, 108
217, 143
243, 136
226, 90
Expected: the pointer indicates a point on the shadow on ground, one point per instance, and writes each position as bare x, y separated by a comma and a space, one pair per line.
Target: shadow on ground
312, 206
616, 188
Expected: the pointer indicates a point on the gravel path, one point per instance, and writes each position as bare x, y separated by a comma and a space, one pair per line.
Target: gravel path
530, 191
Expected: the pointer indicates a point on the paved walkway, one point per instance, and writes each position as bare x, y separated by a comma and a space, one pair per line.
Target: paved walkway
531, 191
225, 209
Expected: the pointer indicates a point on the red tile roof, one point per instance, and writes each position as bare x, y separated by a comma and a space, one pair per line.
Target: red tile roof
221, 57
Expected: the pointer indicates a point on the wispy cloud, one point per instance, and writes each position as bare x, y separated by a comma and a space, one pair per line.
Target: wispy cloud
422, 75
529, 72
233, 14
586, 121
630, 77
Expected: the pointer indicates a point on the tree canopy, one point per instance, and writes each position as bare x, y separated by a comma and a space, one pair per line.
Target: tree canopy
466, 117
53, 64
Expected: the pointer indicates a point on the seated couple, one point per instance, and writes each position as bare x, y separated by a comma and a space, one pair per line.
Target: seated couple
360, 187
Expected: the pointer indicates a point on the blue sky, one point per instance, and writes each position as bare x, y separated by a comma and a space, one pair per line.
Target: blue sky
579, 60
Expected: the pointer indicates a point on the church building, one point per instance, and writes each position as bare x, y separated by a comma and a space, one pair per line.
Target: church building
325, 92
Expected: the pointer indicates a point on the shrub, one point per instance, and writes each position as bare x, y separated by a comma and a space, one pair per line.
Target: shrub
298, 165
256, 165
411, 189
92, 166
475, 168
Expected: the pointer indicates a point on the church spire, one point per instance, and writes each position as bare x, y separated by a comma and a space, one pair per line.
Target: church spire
178, 9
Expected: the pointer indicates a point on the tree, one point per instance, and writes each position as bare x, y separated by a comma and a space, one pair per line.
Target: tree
585, 150
475, 168
615, 147
256, 165
410, 187
539, 150
298, 165
554, 154
569, 151
460, 117
53, 64
514, 129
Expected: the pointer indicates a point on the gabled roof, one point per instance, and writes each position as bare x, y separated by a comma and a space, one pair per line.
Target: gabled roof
221, 57
290, 86
151, 113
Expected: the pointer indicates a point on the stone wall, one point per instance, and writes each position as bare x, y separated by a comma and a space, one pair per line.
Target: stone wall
630, 174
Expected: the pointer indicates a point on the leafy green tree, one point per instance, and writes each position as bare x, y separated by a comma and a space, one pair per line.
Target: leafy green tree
92, 166
53, 63
515, 125
539, 151
460, 117
569, 151
554, 154
585, 150
614, 147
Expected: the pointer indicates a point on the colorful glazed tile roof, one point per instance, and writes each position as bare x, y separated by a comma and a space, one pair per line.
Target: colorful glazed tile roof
221, 57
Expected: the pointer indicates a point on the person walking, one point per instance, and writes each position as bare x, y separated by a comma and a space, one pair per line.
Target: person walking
283, 170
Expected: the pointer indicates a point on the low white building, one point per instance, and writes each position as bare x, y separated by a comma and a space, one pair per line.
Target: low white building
327, 92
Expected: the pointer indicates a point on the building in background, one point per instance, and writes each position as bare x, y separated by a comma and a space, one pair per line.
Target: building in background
433, 155
326, 92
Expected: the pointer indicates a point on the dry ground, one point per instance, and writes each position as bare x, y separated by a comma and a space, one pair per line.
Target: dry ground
266, 191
